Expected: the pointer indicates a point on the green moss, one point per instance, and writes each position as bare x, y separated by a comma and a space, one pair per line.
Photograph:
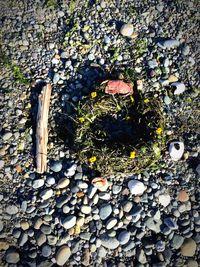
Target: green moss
52, 3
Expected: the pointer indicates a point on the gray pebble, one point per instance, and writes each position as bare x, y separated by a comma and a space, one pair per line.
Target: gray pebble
123, 237
109, 242
46, 251
38, 183
56, 166
12, 256
11, 209
7, 136
177, 241
105, 211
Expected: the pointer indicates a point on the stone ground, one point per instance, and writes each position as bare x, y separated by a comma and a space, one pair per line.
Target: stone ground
60, 218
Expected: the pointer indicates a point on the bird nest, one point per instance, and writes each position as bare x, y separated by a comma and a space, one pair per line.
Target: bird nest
117, 132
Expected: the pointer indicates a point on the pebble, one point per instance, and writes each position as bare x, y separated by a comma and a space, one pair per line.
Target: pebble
167, 100
71, 170
109, 242
50, 180
56, 166
127, 206
116, 189
185, 50
130, 245
123, 237
38, 183
176, 150
111, 223
170, 223
46, 194
188, 248
11, 210
172, 79
63, 255
183, 196
7, 136
141, 257
177, 241
56, 78
91, 57
136, 187
170, 43
179, 88
105, 211
24, 225
40, 238
12, 256
160, 246
86, 209
127, 30
69, 222
164, 200
63, 183
1, 225
153, 225
192, 263
1, 164
46, 251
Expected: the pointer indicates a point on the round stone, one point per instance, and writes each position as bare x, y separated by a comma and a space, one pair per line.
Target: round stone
51, 180
109, 242
69, 222
66, 209
176, 150
127, 30
62, 183
38, 183
111, 223
56, 166
164, 200
127, 206
11, 209
192, 263
63, 255
46, 251
46, 194
12, 256
177, 241
183, 196
136, 187
86, 209
24, 225
124, 237
188, 248
105, 211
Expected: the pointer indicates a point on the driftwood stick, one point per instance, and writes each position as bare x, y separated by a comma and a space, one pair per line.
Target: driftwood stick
42, 131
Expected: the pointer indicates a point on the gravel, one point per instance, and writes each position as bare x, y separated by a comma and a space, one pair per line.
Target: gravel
61, 217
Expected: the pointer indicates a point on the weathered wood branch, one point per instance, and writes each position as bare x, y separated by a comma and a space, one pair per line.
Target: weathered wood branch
42, 130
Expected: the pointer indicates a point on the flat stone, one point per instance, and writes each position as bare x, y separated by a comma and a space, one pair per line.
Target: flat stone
12, 256
109, 242
179, 88
86, 236
183, 196
123, 237
164, 200
6, 136
170, 43
177, 241
192, 263
69, 222
56, 166
127, 30
130, 245
188, 248
46, 194
111, 223
172, 79
38, 183
105, 211
136, 187
40, 238
63, 255
11, 209
86, 209
127, 206
46, 251
63, 183
23, 239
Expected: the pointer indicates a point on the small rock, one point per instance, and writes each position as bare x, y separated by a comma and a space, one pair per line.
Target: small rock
170, 43
24, 225
141, 257
91, 57
164, 200
71, 170
46, 251
185, 50
1, 225
7, 136
51, 180
63, 255
38, 183
1, 164
127, 30
172, 79
69, 222
136, 187
116, 189
56, 166
167, 100
124, 237
111, 223
56, 78
11, 209
86, 257
179, 88
40, 238
176, 150
183, 196
46, 194
177, 241
105, 211
153, 225
12, 256
130, 245
63, 183
127, 206
188, 248
23, 239
170, 223
160, 246
192, 263
86, 209
109, 242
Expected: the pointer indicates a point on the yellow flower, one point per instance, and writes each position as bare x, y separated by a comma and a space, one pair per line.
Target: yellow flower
132, 99
146, 100
92, 159
93, 94
159, 131
81, 119
132, 154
